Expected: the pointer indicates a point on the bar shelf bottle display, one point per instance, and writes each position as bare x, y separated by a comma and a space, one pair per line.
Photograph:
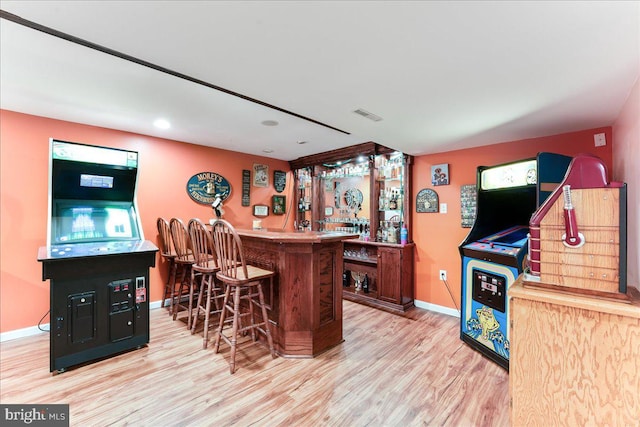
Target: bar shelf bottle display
365, 190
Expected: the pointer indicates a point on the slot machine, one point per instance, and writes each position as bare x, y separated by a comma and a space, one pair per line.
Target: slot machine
495, 250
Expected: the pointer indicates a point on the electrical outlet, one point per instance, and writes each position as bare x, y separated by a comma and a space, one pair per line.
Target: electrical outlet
443, 274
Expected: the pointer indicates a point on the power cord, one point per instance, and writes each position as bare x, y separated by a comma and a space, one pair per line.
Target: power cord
451, 295
40, 322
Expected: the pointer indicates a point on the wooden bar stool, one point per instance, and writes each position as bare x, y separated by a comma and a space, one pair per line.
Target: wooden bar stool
206, 264
185, 260
245, 281
169, 254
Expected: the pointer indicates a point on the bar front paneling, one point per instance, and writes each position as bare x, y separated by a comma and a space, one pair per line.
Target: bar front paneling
305, 301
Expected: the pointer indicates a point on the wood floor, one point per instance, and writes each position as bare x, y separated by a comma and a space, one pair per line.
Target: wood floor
389, 371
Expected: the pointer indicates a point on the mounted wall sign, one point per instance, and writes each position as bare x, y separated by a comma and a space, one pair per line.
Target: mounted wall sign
278, 205
279, 180
246, 187
260, 175
203, 187
427, 201
468, 201
440, 174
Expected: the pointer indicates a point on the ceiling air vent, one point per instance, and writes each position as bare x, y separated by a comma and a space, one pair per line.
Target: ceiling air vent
368, 115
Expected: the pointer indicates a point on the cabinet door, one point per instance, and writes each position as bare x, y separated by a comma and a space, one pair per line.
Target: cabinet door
389, 278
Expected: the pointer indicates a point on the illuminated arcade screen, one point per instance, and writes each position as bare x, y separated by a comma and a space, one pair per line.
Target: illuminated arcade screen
90, 221
507, 176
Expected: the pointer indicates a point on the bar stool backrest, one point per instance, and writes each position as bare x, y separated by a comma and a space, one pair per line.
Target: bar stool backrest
164, 232
202, 244
181, 241
229, 251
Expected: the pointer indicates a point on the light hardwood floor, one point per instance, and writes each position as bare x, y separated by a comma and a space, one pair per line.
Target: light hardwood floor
389, 371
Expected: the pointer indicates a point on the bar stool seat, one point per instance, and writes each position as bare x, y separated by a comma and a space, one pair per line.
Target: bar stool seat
245, 282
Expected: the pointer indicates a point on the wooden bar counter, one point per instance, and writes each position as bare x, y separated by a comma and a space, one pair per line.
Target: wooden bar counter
305, 301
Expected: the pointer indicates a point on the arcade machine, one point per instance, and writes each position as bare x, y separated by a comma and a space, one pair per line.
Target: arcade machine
96, 257
494, 251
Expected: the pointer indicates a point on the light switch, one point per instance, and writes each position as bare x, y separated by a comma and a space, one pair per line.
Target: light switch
443, 208
600, 139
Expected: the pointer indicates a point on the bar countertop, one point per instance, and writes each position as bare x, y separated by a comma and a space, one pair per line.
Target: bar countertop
280, 236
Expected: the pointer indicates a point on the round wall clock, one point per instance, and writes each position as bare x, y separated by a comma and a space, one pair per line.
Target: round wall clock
427, 201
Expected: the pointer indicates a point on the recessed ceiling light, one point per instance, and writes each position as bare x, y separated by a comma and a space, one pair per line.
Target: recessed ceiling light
162, 124
267, 150
270, 123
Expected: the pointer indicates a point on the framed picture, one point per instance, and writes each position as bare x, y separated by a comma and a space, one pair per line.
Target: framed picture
278, 206
328, 211
440, 174
260, 175
260, 210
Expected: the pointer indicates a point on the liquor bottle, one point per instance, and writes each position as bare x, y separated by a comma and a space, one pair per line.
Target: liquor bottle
404, 235
365, 284
391, 234
346, 274
393, 203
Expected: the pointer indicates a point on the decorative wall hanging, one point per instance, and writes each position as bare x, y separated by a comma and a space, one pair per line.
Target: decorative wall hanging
354, 197
260, 210
427, 201
278, 205
279, 180
468, 198
440, 174
246, 187
260, 175
203, 187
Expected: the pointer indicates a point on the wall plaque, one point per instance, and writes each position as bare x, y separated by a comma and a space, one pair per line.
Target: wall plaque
278, 205
260, 175
427, 201
279, 180
203, 187
246, 187
468, 197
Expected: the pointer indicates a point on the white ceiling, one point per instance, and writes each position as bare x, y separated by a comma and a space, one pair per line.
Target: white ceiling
442, 75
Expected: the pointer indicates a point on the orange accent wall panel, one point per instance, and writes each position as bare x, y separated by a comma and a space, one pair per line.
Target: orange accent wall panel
164, 169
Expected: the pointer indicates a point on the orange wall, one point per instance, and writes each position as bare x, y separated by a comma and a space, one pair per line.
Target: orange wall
165, 166
437, 235
164, 169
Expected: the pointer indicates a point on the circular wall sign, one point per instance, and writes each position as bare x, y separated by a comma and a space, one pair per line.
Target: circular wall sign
203, 187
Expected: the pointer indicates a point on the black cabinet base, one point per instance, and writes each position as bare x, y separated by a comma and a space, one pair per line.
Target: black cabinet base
99, 304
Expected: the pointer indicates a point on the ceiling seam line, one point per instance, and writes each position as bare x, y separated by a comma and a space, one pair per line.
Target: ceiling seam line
82, 42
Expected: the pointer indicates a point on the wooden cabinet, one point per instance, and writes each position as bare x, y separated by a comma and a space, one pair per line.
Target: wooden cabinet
389, 272
363, 189
575, 360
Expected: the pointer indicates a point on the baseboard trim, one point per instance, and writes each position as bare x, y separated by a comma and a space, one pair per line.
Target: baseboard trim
34, 330
437, 308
